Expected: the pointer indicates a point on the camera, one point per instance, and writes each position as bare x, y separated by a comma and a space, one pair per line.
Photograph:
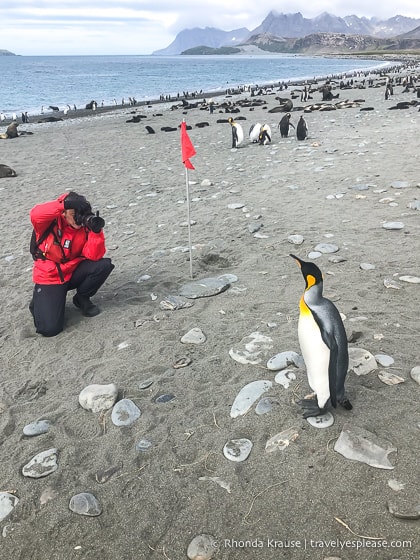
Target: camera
89, 220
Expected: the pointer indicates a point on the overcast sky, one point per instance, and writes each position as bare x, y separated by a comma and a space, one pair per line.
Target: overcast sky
60, 27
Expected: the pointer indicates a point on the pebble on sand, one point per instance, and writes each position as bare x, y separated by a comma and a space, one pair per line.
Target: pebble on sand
202, 547
85, 504
282, 440
194, 336
36, 428
7, 503
98, 397
42, 464
361, 361
415, 374
248, 395
125, 413
251, 348
237, 450
357, 444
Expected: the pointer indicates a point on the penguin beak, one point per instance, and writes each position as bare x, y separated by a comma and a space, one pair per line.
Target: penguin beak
297, 259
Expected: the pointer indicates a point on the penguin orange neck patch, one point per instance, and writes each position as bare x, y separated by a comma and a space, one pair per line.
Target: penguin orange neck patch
310, 281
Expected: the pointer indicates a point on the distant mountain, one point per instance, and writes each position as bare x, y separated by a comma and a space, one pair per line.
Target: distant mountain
292, 26
330, 43
209, 36
6, 53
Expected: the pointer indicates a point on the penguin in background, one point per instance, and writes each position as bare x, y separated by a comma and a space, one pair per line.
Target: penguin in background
237, 133
301, 129
285, 124
264, 136
323, 342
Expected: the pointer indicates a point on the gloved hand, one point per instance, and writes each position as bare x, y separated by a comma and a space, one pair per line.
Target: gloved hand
77, 202
96, 223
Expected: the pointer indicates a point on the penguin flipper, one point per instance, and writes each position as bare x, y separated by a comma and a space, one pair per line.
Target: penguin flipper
332, 371
311, 408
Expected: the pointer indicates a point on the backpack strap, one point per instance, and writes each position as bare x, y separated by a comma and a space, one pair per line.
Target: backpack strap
35, 243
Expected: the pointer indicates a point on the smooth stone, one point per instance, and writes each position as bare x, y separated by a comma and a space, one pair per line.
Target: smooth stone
400, 184
125, 413
251, 349
361, 361
359, 187
164, 398
393, 225
85, 504
285, 377
143, 278
323, 421
266, 405
143, 445
98, 397
255, 226
146, 384
390, 378
336, 259
396, 485
7, 503
175, 302
415, 374
260, 236
314, 255
326, 248
414, 205
282, 440
391, 283
410, 279
42, 464
230, 278
356, 444
405, 510
236, 206
36, 428
247, 396
202, 547
206, 183
367, 266
194, 336
204, 288
384, 360
296, 239
237, 450
284, 359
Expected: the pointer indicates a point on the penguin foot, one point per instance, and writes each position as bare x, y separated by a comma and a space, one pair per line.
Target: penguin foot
311, 408
345, 403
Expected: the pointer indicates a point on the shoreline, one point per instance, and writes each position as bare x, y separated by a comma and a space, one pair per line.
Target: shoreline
394, 61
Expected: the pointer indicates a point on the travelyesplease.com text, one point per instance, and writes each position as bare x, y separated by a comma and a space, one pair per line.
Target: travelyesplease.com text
306, 544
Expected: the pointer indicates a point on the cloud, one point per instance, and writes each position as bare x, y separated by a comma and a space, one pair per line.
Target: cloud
45, 27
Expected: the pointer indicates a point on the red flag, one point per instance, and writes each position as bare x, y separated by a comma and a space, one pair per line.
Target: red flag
187, 148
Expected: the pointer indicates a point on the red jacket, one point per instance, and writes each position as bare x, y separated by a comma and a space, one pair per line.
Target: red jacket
77, 244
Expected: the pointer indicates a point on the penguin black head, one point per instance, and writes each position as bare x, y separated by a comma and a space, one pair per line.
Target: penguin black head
310, 272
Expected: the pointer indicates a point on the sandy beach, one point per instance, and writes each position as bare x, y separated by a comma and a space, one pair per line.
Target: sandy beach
355, 173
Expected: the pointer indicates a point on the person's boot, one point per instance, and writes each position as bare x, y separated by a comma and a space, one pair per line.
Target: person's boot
88, 308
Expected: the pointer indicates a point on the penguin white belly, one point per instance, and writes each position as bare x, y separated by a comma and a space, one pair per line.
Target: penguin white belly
316, 355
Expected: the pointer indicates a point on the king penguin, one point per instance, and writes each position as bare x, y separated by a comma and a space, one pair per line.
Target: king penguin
323, 342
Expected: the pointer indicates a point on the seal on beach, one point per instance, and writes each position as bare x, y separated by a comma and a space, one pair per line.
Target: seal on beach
11, 131
285, 124
237, 133
6, 171
323, 343
301, 129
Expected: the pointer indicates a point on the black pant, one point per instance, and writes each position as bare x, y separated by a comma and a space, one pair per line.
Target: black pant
49, 300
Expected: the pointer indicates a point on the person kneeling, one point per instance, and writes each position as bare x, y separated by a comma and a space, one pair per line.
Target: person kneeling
68, 247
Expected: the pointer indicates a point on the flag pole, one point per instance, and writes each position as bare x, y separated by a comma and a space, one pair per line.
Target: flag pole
187, 187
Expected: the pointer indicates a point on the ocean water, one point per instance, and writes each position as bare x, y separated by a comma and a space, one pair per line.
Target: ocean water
30, 82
